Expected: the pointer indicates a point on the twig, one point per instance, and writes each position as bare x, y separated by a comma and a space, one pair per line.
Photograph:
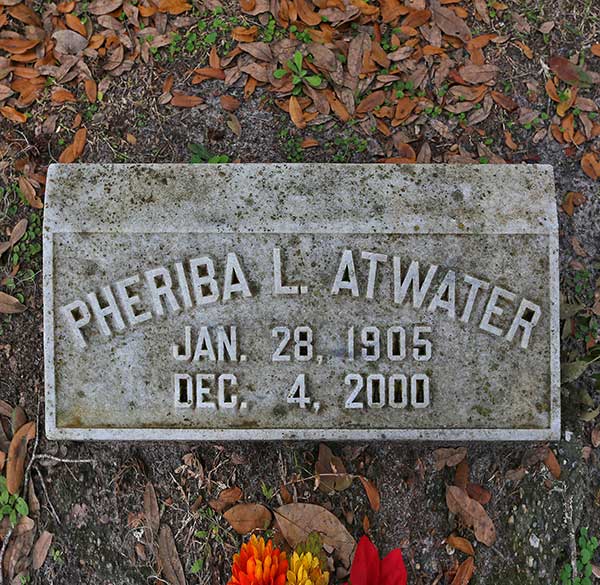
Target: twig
52, 510
59, 460
572, 540
2, 551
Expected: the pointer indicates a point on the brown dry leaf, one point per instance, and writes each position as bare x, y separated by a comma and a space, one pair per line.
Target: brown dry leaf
10, 305
40, 549
17, 452
296, 113
482, 11
2, 460
17, 233
461, 476
596, 436
173, 7
18, 418
478, 493
13, 115
595, 49
60, 96
306, 13
309, 142
447, 20
75, 24
569, 72
244, 518
69, 42
230, 103
234, 125
372, 101
226, 498
169, 558
552, 463
99, 7
472, 514
572, 199
297, 521
181, 100
476, 74
18, 45
29, 193
91, 90
591, 165
25, 14
448, 457
331, 472
504, 101
372, 493
151, 511
525, 49
461, 544
244, 35
464, 573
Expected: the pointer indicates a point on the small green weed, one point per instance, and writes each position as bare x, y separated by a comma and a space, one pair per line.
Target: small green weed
299, 75
201, 155
587, 547
11, 505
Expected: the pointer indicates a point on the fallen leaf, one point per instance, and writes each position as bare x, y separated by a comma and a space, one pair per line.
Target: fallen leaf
69, 42
306, 13
9, 304
15, 235
181, 100
13, 115
75, 24
226, 498
17, 45
448, 457
472, 514
173, 7
169, 557
230, 103
25, 14
596, 436
40, 549
552, 463
17, 453
151, 511
99, 7
297, 521
244, 518
478, 493
569, 72
296, 113
372, 493
461, 544
331, 472
372, 101
591, 165
464, 573
461, 476
91, 90
449, 22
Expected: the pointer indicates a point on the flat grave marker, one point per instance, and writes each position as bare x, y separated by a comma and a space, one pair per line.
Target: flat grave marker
301, 302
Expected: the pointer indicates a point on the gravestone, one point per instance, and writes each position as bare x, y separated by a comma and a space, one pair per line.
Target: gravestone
301, 302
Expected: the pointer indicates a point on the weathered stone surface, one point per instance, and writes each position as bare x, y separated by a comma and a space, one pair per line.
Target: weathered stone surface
323, 254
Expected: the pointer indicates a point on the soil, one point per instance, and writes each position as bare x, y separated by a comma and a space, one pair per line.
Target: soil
94, 542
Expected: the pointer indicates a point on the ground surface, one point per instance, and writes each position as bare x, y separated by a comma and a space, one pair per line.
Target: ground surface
96, 523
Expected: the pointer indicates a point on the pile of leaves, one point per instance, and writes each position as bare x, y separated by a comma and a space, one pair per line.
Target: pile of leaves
20, 550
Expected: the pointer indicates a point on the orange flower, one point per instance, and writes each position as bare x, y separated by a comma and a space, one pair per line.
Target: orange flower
258, 563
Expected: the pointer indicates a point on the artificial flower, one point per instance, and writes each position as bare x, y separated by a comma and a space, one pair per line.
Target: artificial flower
368, 569
305, 569
258, 563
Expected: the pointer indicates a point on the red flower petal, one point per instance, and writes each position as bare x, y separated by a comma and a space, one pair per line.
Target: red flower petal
365, 566
393, 571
